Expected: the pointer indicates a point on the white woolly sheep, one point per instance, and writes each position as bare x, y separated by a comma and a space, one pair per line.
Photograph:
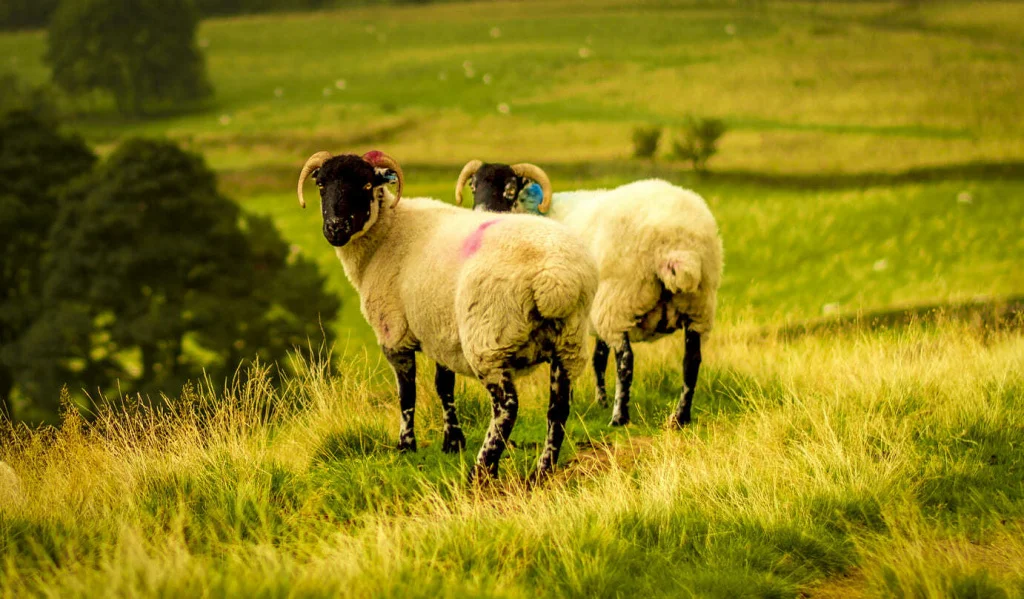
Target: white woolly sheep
483, 296
658, 253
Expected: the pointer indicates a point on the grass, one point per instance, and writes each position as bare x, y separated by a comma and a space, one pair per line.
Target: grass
887, 461
873, 166
804, 88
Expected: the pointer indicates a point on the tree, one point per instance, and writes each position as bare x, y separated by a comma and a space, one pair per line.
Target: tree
698, 142
35, 162
155, 279
141, 51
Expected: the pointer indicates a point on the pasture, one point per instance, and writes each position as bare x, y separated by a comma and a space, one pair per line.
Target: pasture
858, 422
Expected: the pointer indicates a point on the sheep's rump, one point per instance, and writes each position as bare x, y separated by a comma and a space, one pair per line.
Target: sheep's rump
481, 293
524, 297
659, 256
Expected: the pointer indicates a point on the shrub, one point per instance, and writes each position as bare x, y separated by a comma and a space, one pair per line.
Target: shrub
155, 279
698, 141
645, 141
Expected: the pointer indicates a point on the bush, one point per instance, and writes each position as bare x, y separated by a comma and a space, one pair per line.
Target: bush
645, 141
143, 52
155, 279
42, 101
36, 161
698, 141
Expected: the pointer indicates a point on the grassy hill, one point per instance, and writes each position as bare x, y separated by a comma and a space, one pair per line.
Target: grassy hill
842, 447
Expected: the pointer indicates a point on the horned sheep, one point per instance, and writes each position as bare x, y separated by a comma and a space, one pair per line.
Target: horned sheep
482, 295
658, 253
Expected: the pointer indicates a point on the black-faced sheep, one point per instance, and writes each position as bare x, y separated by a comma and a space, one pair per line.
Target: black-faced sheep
482, 295
658, 254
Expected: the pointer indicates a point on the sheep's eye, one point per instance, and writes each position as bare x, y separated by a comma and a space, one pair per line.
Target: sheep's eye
368, 186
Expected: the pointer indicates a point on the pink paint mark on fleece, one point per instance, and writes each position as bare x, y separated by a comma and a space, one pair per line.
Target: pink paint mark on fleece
476, 239
373, 156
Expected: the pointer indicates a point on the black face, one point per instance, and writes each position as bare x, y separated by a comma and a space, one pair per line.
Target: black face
347, 193
496, 188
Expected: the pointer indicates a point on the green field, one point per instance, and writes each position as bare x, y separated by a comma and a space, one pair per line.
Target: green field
843, 445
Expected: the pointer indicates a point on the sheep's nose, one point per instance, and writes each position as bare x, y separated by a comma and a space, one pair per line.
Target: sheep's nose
335, 225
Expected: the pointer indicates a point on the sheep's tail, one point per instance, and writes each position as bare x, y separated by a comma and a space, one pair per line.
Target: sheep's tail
679, 270
561, 289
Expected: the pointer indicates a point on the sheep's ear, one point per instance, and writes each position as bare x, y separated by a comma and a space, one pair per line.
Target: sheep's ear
315, 173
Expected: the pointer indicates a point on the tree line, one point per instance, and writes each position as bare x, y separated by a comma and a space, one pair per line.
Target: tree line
33, 14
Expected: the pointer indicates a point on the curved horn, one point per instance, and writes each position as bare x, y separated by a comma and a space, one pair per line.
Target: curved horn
467, 171
378, 159
315, 161
530, 171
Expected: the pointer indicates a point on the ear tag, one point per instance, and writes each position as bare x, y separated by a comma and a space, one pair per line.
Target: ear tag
531, 197
390, 176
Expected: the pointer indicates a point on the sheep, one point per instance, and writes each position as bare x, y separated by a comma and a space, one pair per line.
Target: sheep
658, 253
483, 296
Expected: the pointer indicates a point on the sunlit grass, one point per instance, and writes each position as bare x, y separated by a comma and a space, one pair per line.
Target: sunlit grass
886, 459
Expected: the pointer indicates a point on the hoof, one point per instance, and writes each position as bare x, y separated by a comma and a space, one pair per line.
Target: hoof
454, 441
620, 420
601, 399
408, 445
679, 422
482, 476
538, 477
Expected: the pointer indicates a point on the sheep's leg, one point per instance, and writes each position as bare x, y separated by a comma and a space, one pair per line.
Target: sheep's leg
444, 384
558, 413
624, 373
691, 368
504, 411
600, 363
404, 365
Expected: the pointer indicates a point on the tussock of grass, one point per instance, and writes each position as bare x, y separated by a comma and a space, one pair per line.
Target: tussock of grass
886, 459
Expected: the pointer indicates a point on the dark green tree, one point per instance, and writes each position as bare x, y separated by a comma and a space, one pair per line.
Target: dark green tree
35, 162
141, 51
154, 278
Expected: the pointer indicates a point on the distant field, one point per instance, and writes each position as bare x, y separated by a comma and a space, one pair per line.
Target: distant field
806, 87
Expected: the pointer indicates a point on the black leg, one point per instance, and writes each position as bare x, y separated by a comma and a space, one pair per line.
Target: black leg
444, 383
624, 372
404, 365
558, 413
600, 362
504, 410
691, 368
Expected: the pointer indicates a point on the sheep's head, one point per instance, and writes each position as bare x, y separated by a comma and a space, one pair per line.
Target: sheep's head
351, 191
496, 187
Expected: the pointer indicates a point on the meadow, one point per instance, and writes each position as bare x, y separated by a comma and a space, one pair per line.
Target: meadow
858, 421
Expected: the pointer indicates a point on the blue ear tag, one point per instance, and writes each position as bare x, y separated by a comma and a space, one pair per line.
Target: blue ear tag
530, 198
391, 176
